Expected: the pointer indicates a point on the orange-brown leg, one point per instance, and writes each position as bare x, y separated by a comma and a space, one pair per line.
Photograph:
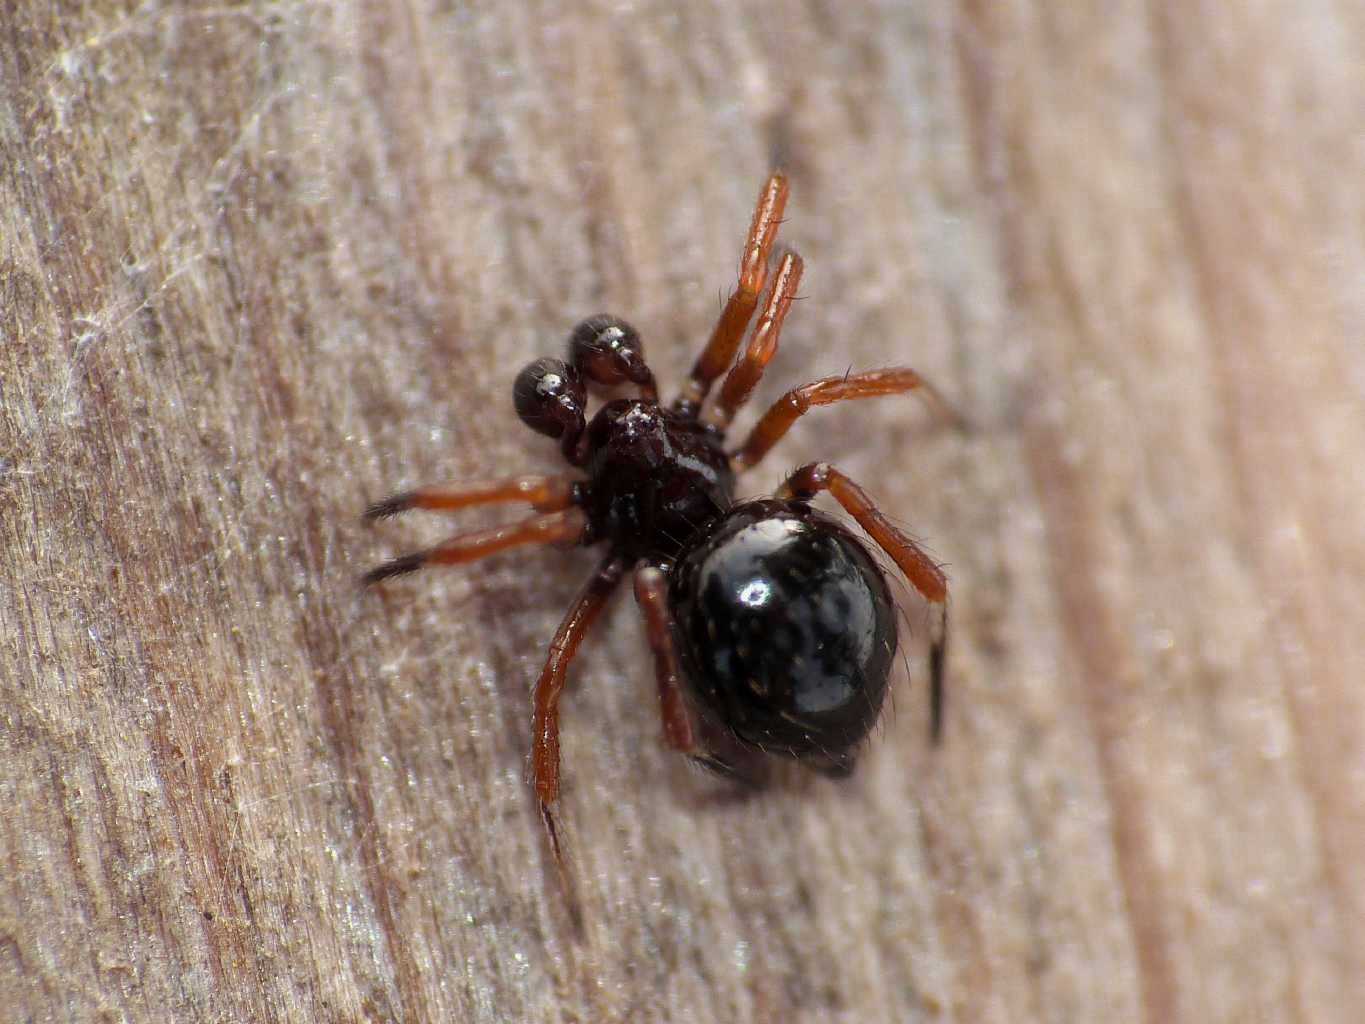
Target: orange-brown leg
582, 614
545, 717
651, 594
745, 374
798, 401
922, 572
543, 493
753, 274
566, 526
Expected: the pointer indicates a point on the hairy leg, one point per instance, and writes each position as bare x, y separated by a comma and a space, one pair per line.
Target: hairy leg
745, 374
545, 717
564, 527
542, 493
921, 570
896, 380
720, 351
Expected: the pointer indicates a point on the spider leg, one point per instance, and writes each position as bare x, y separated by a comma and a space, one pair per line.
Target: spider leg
798, 401
720, 351
651, 594
542, 493
566, 526
924, 575
745, 374
545, 717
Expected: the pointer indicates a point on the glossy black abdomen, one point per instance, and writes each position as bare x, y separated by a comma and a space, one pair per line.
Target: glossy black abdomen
787, 629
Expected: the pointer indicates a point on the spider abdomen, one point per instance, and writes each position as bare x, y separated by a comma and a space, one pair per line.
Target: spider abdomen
787, 629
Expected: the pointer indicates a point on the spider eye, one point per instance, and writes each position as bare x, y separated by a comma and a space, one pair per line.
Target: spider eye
608, 351
550, 397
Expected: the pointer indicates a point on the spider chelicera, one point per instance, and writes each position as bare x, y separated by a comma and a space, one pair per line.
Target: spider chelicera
767, 617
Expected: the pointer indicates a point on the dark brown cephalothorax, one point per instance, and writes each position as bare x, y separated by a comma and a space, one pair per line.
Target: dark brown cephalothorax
768, 618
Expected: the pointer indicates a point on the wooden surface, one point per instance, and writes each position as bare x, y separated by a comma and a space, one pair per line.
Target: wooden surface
261, 263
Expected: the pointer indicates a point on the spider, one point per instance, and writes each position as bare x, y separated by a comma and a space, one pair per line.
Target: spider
766, 617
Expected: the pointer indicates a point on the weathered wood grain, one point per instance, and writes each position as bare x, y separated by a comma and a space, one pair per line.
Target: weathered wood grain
263, 262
